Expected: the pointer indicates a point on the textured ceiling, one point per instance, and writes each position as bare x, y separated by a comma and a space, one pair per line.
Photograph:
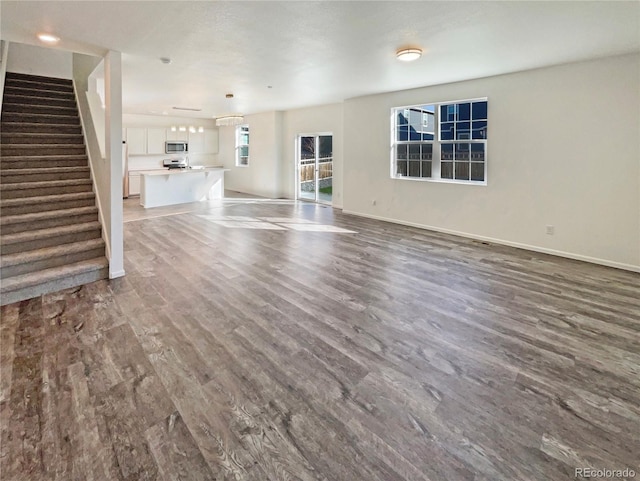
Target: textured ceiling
317, 52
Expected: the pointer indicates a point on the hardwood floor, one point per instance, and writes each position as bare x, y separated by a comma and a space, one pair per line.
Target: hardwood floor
256, 340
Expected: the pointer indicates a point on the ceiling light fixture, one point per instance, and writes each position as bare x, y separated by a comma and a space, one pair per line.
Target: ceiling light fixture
48, 38
200, 129
227, 120
409, 54
187, 108
165, 60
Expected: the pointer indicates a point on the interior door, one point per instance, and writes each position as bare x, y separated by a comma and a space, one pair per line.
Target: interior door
315, 167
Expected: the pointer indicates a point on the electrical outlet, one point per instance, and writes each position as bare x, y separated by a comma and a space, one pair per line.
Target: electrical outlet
551, 230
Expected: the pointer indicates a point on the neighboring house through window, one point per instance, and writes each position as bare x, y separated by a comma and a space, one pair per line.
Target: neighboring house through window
455, 151
242, 146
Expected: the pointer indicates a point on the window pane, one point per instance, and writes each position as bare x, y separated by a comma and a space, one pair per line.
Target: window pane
477, 171
415, 119
426, 169
326, 146
448, 113
479, 130
401, 168
401, 119
462, 151
446, 152
427, 151
464, 111
308, 148
446, 170
446, 131
401, 152
414, 169
463, 131
414, 151
414, 134
244, 138
462, 170
244, 151
428, 137
403, 133
477, 152
480, 110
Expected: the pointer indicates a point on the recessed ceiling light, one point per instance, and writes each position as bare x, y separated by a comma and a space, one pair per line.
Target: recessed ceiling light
409, 54
229, 96
165, 60
48, 38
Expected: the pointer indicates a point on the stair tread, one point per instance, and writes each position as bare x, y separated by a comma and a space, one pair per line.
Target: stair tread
35, 234
37, 115
49, 214
44, 183
41, 88
36, 199
12, 123
48, 252
52, 273
38, 134
37, 78
45, 170
18, 104
26, 158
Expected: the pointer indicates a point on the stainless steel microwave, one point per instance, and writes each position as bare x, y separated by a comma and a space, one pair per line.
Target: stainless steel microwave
176, 147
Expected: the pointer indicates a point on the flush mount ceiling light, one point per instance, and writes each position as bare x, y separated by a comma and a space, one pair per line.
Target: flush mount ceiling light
408, 54
48, 38
227, 120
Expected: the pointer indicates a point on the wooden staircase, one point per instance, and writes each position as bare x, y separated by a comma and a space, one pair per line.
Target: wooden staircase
50, 237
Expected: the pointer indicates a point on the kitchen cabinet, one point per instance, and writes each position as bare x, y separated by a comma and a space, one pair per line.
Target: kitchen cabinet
177, 135
196, 143
134, 183
137, 140
156, 138
210, 141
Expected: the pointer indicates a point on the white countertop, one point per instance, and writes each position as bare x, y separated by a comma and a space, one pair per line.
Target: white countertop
181, 171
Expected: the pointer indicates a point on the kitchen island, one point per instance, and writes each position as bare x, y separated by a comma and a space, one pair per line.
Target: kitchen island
179, 186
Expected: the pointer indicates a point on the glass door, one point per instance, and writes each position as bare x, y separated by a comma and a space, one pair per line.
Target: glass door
315, 167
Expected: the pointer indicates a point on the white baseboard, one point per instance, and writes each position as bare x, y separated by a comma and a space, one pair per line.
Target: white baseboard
543, 250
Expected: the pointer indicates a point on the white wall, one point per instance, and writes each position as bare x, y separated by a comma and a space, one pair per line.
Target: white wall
49, 62
564, 150
325, 118
263, 174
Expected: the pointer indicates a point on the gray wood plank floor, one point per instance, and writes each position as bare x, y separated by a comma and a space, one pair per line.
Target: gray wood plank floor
281, 341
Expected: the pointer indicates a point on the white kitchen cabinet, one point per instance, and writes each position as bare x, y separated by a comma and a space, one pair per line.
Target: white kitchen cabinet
196, 143
210, 141
177, 135
137, 140
134, 183
155, 140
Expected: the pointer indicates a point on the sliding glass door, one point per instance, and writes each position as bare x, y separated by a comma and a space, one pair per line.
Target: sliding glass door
315, 167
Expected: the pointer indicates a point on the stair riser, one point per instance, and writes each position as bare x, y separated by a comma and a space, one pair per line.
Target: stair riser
9, 297
40, 118
33, 150
58, 205
48, 139
42, 176
26, 100
55, 190
39, 109
47, 223
50, 241
39, 128
42, 164
25, 77
54, 261
42, 92
23, 84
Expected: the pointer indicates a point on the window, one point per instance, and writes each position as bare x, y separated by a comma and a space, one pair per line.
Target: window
242, 146
455, 151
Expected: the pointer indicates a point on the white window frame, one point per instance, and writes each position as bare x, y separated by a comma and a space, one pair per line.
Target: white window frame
437, 142
239, 133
